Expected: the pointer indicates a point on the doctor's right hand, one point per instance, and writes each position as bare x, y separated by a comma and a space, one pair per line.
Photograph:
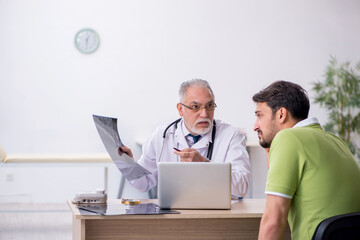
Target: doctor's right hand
126, 150
190, 155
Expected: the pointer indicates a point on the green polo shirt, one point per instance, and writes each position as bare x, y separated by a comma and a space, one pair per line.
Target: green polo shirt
318, 172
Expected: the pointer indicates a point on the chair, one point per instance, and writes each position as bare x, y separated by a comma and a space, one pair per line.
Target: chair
344, 227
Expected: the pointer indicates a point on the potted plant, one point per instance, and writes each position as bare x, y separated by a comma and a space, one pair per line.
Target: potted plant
339, 93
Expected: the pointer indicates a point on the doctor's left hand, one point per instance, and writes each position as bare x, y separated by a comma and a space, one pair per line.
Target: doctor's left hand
190, 155
126, 150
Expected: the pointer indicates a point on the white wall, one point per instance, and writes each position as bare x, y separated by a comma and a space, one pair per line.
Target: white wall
49, 90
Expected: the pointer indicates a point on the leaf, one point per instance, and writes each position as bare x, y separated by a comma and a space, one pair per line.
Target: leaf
339, 93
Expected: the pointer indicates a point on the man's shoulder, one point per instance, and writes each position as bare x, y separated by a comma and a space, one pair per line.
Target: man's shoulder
292, 138
298, 132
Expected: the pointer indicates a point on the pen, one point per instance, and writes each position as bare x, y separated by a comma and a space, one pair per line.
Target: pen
177, 149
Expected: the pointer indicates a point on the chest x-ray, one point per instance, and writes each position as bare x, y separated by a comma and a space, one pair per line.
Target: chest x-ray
107, 129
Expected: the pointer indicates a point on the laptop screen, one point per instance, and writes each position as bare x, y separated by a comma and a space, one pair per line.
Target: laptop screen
194, 185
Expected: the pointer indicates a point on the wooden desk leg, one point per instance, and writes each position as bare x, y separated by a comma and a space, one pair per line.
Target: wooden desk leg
78, 229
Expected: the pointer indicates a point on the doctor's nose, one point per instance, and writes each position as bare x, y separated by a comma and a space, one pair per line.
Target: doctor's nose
203, 113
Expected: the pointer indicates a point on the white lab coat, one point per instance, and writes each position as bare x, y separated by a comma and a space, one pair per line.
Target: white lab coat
229, 146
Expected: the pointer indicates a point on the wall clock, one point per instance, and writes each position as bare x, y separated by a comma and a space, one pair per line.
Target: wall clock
87, 40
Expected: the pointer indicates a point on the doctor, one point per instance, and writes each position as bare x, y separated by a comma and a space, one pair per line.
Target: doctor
196, 137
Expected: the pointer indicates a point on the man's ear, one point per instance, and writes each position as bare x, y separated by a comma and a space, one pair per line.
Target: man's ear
282, 114
180, 109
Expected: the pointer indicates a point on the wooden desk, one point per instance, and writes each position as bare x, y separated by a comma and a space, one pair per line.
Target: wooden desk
240, 222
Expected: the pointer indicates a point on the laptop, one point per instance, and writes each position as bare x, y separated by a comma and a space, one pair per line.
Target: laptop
194, 185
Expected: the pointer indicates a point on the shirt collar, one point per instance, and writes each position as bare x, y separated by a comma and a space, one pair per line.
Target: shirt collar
184, 129
307, 122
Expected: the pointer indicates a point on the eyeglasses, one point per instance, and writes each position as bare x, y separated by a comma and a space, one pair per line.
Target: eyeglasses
196, 107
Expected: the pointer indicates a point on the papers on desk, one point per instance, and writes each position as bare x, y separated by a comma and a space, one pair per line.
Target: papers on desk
107, 129
121, 209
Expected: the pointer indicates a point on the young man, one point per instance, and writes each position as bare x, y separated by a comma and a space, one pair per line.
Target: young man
312, 173
199, 138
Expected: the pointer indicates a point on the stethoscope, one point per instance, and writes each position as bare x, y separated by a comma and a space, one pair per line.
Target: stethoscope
211, 144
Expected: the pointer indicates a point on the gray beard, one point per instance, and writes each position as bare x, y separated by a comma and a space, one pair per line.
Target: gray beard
199, 132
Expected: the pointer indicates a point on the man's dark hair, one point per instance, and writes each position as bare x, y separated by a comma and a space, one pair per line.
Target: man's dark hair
285, 94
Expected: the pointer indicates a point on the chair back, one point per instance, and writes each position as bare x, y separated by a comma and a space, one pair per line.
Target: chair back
345, 226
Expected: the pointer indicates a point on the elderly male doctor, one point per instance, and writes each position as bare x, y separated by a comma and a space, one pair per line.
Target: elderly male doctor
199, 138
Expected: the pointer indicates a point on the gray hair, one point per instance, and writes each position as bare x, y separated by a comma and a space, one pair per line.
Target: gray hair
193, 83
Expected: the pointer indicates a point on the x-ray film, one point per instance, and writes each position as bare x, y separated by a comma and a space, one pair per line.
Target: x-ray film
121, 209
108, 131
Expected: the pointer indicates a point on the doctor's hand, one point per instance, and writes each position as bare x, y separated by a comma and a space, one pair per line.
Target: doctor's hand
126, 150
190, 155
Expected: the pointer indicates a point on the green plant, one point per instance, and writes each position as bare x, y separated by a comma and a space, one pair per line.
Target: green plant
339, 93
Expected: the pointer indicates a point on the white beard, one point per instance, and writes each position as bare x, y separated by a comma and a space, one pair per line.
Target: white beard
200, 131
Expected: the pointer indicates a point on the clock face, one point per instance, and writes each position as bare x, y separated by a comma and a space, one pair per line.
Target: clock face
87, 41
